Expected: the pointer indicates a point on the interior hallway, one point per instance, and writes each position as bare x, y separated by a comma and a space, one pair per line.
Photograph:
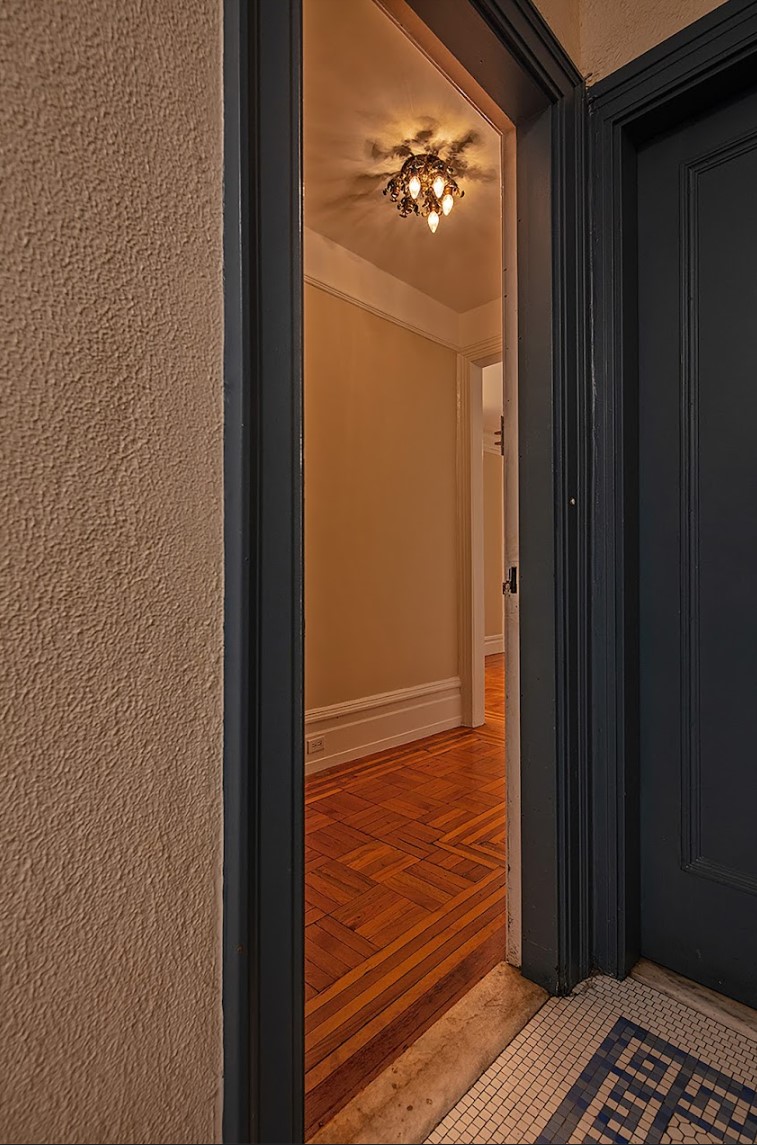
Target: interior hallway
405, 890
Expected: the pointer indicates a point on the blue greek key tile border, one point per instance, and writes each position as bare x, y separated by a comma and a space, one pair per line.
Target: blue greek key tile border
637, 1082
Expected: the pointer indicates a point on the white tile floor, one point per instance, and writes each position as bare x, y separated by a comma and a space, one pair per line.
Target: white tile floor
614, 1062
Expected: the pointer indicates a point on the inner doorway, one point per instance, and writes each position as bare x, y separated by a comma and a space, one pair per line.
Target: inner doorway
405, 872
520, 67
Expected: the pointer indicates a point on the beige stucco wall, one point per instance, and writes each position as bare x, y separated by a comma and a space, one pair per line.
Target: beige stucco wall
563, 17
111, 581
494, 531
380, 509
613, 32
602, 35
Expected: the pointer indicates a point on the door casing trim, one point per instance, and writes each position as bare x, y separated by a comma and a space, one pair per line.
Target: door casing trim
263, 999
710, 60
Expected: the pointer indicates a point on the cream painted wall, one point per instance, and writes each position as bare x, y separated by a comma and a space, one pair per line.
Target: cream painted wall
111, 584
380, 509
493, 540
602, 35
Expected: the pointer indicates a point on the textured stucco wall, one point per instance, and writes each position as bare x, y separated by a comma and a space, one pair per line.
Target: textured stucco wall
563, 17
111, 578
613, 32
602, 35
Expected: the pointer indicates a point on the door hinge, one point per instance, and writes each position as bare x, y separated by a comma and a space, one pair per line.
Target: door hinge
510, 585
500, 433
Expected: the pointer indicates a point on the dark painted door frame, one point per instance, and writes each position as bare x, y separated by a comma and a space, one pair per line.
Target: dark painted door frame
712, 59
510, 51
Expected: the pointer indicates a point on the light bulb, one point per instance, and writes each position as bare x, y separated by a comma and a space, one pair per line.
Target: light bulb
438, 186
447, 203
414, 186
433, 221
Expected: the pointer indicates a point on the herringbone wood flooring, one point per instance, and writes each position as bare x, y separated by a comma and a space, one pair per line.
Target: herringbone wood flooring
405, 897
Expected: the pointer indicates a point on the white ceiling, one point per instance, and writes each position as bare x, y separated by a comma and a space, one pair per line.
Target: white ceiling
368, 89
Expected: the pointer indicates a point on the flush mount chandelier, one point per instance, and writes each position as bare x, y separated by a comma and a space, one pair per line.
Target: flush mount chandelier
424, 186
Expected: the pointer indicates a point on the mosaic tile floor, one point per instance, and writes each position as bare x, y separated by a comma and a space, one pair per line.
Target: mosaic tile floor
615, 1062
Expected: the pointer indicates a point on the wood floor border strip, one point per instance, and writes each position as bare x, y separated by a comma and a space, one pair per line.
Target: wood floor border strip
442, 919
418, 968
441, 916
321, 1071
361, 1069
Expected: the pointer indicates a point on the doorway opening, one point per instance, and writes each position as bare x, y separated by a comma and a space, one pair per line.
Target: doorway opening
404, 490
518, 66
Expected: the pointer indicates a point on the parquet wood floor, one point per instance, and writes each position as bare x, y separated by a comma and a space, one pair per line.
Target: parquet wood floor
405, 897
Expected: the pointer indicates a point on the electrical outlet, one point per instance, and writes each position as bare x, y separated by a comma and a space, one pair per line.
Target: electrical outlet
315, 745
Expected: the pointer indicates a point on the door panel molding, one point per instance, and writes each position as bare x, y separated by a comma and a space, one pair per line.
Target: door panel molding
688, 281
719, 873
693, 858
709, 61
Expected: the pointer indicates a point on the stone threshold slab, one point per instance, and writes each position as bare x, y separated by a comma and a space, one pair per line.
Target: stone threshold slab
729, 1013
409, 1099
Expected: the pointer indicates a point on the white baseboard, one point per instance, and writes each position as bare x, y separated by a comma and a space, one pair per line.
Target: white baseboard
375, 723
494, 644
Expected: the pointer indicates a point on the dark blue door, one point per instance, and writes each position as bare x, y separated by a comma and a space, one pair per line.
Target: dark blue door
697, 214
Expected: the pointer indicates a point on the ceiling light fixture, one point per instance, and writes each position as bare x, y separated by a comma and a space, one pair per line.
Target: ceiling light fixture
424, 186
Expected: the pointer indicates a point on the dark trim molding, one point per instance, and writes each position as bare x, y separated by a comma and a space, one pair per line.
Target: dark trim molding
554, 487
263, 720
572, 541
712, 59
525, 32
717, 42
277, 728
236, 884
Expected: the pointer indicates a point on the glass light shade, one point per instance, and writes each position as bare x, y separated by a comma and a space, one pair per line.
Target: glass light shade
424, 186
